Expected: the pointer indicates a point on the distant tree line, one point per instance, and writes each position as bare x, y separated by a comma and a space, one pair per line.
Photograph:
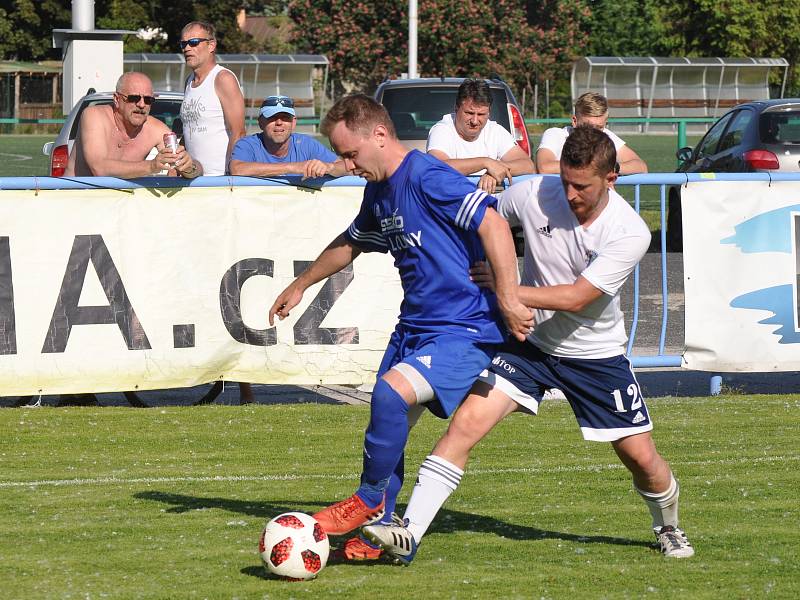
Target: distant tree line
524, 41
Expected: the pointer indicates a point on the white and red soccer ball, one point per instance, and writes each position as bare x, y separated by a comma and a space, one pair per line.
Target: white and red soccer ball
294, 546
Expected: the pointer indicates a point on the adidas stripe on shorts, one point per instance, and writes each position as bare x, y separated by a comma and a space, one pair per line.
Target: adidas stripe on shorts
603, 392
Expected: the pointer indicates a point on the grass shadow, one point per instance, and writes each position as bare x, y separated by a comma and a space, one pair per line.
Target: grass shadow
448, 521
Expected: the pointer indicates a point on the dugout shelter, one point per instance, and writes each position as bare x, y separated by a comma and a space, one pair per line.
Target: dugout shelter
30, 91
677, 87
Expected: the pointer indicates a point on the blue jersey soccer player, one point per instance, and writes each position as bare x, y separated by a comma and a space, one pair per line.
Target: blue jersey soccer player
582, 242
436, 224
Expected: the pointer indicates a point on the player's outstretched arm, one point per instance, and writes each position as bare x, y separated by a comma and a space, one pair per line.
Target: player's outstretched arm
339, 253
496, 238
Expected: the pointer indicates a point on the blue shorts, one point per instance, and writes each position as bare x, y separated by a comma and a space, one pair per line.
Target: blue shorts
442, 367
603, 392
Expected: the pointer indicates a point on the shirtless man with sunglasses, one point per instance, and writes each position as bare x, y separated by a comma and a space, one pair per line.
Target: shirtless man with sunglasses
114, 140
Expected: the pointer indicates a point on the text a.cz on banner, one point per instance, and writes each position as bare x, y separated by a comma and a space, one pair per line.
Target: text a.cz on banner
108, 290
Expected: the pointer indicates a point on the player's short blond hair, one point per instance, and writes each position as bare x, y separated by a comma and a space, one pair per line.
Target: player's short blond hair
591, 104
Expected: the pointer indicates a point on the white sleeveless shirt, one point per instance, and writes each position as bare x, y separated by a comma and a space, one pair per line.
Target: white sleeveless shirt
204, 133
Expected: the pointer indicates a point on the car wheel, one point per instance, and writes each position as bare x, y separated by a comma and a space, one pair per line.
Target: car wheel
674, 222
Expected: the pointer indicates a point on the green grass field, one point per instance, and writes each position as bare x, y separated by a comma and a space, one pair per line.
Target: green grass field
21, 155
169, 503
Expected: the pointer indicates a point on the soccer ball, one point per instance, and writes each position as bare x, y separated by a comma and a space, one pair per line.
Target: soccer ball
294, 546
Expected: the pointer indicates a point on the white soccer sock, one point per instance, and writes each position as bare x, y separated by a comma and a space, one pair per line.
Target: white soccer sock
664, 505
436, 480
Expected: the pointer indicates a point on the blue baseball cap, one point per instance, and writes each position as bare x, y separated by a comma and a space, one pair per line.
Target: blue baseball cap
273, 105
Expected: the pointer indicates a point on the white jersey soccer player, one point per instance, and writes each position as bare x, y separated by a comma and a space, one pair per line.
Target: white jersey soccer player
604, 254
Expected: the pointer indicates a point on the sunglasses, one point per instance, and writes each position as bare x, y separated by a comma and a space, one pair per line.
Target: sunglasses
134, 98
194, 42
284, 101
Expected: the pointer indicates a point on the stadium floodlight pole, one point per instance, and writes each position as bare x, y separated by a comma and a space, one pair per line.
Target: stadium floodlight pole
412, 38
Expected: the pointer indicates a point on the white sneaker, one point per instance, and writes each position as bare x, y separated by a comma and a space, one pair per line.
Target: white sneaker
395, 539
673, 542
553, 394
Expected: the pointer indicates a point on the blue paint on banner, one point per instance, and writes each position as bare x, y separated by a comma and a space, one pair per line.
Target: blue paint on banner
768, 232
778, 300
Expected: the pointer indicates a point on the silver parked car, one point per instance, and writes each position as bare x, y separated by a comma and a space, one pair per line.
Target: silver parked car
166, 108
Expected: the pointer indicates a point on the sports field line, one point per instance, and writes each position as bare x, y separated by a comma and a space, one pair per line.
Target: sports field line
17, 156
288, 477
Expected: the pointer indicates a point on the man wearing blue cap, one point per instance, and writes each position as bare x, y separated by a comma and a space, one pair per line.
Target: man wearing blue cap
278, 150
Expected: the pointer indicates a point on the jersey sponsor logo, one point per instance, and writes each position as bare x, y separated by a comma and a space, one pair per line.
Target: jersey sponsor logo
500, 363
425, 360
392, 228
545, 231
405, 240
392, 223
638, 418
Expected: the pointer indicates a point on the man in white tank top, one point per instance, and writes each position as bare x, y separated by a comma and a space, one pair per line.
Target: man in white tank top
213, 105
213, 116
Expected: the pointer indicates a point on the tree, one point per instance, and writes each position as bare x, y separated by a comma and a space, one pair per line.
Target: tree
629, 28
770, 28
725, 28
367, 42
28, 26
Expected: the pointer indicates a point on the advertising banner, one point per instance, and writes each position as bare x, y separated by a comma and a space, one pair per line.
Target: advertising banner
741, 270
113, 290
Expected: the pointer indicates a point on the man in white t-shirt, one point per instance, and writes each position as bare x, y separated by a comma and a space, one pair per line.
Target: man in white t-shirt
583, 241
590, 109
472, 144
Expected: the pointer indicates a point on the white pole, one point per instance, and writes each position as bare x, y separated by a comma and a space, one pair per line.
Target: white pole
83, 15
412, 38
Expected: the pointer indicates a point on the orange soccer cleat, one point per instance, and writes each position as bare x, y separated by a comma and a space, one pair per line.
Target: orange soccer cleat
357, 549
349, 514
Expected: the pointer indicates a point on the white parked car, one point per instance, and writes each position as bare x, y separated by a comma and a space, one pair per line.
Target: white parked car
166, 108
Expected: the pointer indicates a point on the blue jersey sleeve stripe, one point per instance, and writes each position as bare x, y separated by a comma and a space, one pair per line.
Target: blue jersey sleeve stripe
468, 208
473, 209
464, 202
372, 237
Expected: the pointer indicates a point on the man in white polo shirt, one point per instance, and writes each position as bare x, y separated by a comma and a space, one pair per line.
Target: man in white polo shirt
472, 144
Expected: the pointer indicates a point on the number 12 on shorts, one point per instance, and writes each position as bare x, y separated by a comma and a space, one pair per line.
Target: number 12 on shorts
633, 394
